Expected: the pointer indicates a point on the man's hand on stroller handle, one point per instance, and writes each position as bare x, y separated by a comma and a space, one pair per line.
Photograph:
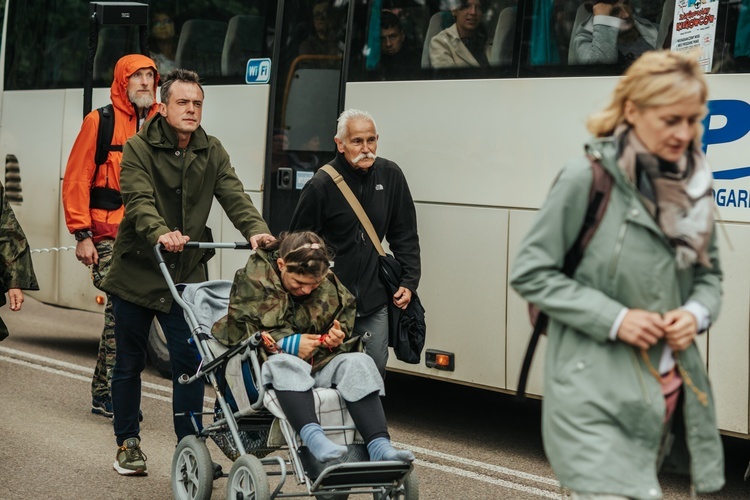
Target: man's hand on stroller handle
260, 239
173, 241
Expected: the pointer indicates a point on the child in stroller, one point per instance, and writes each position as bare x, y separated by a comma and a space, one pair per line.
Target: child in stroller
303, 317
292, 290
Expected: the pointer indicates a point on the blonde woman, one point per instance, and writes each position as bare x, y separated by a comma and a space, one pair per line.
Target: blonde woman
626, 392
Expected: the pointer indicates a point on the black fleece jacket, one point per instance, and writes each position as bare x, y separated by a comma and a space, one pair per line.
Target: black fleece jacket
384, 194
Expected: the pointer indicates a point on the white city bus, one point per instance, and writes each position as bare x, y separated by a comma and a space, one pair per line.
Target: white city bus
480, 147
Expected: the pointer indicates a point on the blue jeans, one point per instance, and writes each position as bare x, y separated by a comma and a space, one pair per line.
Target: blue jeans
377, 346
132, 324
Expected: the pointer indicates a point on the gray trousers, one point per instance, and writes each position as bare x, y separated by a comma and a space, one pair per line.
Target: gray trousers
377, 345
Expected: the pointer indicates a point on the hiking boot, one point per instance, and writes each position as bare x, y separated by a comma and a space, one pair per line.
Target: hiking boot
101, 406
131, 461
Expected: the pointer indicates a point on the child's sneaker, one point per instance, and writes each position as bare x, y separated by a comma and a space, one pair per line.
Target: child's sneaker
131, 461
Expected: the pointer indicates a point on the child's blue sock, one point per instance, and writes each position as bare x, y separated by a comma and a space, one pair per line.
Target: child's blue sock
381, 449
319, 445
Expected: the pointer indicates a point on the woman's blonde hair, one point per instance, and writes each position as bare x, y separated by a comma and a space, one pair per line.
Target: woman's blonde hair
657, 78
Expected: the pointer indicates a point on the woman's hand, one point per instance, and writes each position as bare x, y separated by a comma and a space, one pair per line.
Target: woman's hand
307, 345
680, 329
335, 336
641, 328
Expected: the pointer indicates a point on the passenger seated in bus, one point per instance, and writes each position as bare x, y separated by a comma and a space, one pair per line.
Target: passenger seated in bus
162, 42
612, 34
465, 43
288, 292
396, 54
323, 41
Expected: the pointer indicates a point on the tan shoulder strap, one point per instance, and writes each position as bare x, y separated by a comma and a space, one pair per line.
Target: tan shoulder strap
338, 179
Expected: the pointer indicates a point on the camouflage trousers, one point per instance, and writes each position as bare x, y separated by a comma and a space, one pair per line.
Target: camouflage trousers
105, 361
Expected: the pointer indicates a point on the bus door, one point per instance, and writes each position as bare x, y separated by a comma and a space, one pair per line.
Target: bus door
306, 102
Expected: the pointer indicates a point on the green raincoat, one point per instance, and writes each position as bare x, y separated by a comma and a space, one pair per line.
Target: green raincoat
166, 188
603, 410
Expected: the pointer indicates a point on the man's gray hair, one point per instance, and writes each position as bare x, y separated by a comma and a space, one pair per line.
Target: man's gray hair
342, 130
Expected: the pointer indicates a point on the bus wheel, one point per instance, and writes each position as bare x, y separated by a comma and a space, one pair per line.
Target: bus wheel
157, 350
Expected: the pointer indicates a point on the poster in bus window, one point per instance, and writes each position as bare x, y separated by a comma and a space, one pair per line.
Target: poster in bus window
695, 27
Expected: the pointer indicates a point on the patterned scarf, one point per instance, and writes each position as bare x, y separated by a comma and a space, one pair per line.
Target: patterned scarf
677, 195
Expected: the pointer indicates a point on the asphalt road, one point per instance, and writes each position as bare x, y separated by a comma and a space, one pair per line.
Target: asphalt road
470, 444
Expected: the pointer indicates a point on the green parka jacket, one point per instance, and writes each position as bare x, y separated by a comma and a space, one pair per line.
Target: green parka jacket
603, 411
166, 188
259, 302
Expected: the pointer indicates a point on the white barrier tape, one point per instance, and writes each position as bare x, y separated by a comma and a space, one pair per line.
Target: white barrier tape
53, 249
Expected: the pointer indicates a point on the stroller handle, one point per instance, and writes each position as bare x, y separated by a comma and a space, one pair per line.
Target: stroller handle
194, 245
190, 245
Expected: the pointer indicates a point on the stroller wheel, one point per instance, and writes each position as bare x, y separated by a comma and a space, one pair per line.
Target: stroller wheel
408, 491
192, 470
248, 480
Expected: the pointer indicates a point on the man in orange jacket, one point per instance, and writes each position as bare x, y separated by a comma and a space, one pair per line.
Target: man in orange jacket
91, 195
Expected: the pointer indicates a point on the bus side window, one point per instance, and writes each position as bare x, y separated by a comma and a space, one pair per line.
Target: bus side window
742, 37
502, 41
438, 22
244, 40
112, 45
200, 46
617, 32
543, 45
42, 51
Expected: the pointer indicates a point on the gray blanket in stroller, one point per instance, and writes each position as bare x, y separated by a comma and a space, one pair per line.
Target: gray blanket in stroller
208, 300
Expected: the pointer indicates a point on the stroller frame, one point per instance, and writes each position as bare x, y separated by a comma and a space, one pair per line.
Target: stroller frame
192, 468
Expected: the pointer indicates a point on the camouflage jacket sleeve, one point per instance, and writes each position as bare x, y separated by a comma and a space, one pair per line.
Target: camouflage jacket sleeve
16, 268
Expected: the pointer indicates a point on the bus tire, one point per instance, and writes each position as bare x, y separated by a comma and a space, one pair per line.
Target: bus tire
157, 350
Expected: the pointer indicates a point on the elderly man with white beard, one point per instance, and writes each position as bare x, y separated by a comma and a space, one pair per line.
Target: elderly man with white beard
381, 188
91, 194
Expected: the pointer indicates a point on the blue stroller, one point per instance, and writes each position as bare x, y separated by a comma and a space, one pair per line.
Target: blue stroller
248, 424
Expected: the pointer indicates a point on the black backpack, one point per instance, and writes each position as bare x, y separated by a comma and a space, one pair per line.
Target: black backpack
601, 188
104, 197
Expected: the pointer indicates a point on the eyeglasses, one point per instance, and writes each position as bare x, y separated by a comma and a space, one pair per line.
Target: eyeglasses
162, 22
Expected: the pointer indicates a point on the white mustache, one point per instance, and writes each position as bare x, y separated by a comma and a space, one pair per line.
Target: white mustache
362, 156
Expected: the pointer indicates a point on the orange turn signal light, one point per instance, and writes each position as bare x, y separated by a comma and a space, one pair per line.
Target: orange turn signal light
101, 300
440, 360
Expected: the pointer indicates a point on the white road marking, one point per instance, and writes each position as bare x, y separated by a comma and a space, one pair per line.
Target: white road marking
62, 373
480, 465
14, 354
488, 479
